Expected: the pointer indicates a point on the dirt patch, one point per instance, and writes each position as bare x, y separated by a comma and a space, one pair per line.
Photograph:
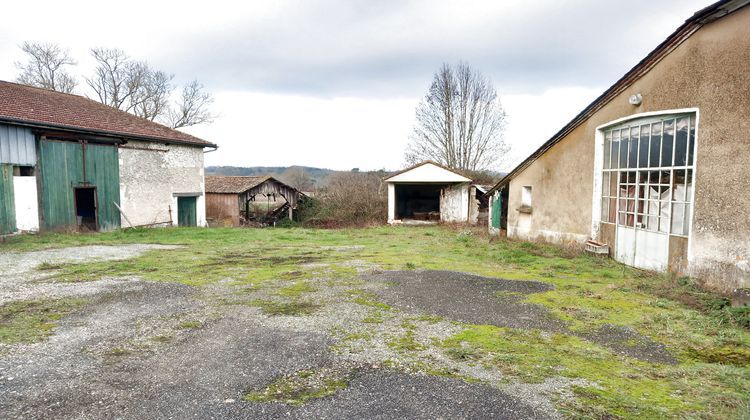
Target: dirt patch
467, 298
385, 394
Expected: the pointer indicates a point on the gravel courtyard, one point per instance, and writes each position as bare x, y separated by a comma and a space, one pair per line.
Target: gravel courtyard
273, 327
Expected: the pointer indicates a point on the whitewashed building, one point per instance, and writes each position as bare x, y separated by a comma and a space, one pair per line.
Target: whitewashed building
430, 192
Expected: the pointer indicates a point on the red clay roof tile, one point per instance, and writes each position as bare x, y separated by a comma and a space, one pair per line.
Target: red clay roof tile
45, 108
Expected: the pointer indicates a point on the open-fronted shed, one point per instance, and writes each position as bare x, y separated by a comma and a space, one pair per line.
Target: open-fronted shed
429, 191
238, 200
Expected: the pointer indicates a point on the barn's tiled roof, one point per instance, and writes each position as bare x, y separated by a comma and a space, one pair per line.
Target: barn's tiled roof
36, 107
232, 184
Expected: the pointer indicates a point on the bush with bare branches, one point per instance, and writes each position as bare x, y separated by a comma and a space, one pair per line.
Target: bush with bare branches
349, 199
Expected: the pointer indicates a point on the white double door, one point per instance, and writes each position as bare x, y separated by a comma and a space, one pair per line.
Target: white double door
642, 248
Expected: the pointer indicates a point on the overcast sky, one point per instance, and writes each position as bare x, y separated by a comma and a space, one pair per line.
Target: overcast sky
334, 83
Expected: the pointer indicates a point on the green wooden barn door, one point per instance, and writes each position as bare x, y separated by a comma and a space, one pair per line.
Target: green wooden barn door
186, 211
62, 170
497, 210
103, 171
7, 202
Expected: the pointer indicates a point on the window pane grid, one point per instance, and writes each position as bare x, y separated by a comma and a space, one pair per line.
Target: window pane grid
647, 174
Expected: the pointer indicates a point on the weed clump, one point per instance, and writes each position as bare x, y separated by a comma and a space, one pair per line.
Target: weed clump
293, 308
300, 387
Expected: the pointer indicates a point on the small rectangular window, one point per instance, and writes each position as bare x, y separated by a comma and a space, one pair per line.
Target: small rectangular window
526, 196
23, 171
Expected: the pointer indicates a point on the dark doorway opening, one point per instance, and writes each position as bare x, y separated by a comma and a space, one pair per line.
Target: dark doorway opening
86, 208
418, 201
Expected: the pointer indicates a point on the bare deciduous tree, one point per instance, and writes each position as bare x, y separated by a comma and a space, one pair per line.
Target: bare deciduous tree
45, 67
151, 100
459, 121
130, 85
116, 78
298, 178
192, 107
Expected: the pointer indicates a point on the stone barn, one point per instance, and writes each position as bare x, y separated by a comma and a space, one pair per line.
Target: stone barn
430, 192
655, 168
70, 163
240, 200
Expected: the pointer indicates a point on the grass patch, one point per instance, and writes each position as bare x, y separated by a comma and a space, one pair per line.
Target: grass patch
293, 308
406, 342
118, 352
190, 325
620, 386
161, 338
302, 386
296, 289
28, 321
46, 265
371, 300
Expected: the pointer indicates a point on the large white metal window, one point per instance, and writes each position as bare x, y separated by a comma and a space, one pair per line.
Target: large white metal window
647, 177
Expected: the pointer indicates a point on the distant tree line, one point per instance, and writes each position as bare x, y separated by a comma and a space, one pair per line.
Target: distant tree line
119, 81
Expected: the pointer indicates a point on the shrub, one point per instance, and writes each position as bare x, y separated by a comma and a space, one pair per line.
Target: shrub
348, 199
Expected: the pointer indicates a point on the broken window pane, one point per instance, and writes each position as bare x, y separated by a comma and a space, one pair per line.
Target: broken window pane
681, 141
605, 184
678, 219
666, 143
633, 148
679, 189
615, 149
605, 209
643, 146
655, 148
624, 137
607, 149
691, 141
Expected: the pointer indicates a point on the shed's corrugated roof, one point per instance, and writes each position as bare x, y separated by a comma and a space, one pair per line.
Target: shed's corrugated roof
28, 105
232, 184
702, 17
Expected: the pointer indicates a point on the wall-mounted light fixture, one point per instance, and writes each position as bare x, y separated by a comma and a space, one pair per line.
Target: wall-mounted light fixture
635, 99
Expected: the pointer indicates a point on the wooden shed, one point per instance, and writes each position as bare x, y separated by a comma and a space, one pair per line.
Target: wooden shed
241, 200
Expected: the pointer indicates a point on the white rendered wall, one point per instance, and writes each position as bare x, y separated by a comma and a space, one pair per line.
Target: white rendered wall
149, 180
454, 203
391, 203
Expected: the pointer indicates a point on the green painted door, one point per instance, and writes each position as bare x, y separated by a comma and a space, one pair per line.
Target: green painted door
62, 170
7, 203
103, 171
497, 210
186, 211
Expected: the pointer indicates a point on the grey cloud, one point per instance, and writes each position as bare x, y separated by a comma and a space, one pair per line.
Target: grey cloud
364, 48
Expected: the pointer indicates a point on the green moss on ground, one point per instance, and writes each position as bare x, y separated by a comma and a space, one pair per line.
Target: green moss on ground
292, 308
28, 321
709, 338
302, 386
